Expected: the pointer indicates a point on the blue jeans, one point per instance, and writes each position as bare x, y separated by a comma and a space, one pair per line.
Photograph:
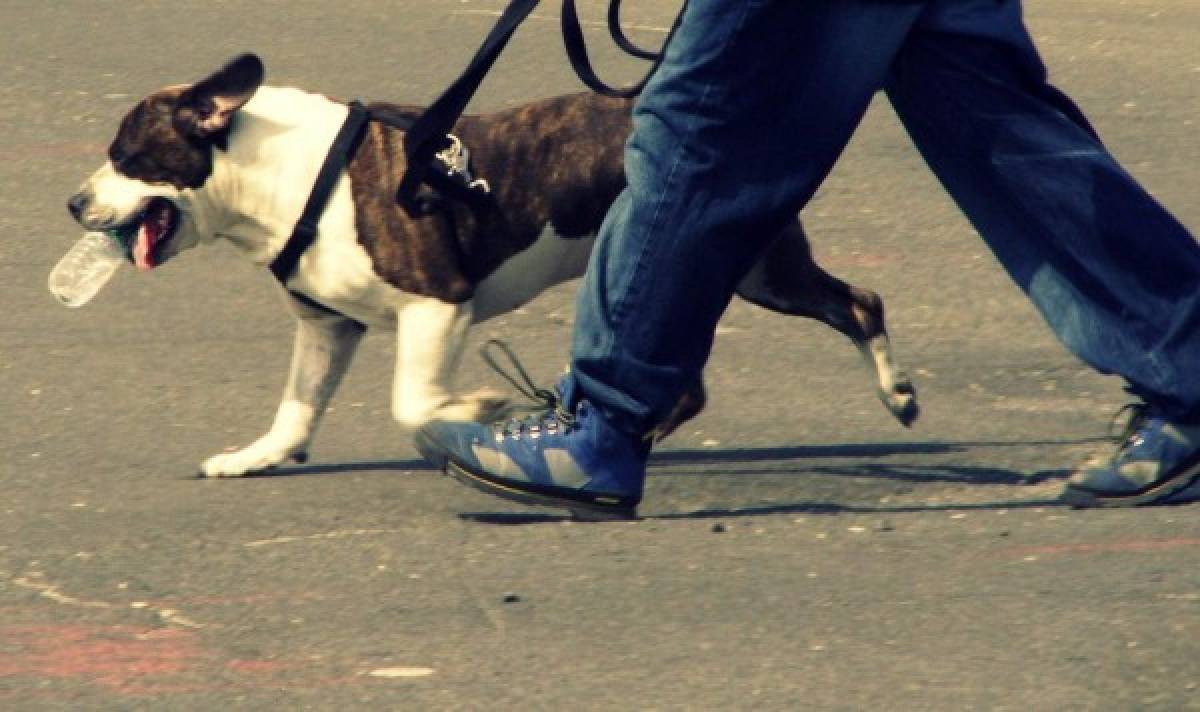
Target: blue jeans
753, 103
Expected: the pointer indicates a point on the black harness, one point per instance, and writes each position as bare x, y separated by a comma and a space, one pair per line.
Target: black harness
433, 178
449, 182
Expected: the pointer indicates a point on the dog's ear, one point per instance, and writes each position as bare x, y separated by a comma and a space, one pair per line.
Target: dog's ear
207, 107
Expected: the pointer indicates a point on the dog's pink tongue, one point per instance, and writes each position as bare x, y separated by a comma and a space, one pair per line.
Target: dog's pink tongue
143, 247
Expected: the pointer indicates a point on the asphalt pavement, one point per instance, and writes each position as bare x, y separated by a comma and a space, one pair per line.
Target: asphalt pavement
798, 548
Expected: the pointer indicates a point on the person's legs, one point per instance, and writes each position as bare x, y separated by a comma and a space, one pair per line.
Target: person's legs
750, 108
1112, 272
754, 101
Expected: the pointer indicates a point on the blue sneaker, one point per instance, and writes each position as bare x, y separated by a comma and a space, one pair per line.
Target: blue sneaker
555, 456
1156, 460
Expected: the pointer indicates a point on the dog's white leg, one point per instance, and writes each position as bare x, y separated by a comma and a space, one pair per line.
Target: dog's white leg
430, 336
323, 348
893, 386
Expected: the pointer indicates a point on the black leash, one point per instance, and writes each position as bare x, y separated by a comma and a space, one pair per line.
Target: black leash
427, 135
576, 48
618, 35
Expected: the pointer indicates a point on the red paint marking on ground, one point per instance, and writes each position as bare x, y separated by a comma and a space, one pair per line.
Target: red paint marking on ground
106, 655
135, 661
1105, 547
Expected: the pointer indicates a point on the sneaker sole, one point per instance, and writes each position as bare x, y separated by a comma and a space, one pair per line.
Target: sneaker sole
1156, 494
593, 511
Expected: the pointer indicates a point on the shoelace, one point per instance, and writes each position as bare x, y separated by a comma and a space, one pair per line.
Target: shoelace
547, 412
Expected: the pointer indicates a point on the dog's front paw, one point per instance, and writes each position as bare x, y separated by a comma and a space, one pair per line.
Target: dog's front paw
249, 461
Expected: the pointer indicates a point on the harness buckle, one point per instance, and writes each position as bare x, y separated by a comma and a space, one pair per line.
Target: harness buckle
455, 160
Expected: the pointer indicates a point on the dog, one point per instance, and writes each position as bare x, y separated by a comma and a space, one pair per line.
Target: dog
227, 158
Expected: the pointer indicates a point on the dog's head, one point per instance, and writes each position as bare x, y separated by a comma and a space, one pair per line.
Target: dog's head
163, 153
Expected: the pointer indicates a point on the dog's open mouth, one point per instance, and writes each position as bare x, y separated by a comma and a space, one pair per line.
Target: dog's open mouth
147, 235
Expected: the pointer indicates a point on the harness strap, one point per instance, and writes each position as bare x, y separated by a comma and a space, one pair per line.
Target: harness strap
343, 147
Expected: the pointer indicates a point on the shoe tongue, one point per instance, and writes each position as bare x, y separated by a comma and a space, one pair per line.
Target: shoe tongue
1127, 421
567, 391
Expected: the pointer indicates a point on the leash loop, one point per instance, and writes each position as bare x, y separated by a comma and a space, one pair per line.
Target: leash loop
619, 37
577, 53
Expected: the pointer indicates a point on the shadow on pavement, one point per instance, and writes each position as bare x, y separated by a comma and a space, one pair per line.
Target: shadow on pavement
849, 450
906, 473
891, 471
519, 518
336, 468
674, 463
671, 459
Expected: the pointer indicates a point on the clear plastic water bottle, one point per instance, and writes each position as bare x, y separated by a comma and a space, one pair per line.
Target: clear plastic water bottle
86, 268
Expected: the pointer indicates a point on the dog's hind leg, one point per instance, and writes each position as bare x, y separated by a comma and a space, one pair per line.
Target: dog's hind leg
324, 345
430, 337
787, 279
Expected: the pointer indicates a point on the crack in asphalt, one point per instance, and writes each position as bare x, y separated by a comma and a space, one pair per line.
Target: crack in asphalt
35, 581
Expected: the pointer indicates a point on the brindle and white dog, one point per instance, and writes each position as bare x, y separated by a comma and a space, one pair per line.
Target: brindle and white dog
228, 158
